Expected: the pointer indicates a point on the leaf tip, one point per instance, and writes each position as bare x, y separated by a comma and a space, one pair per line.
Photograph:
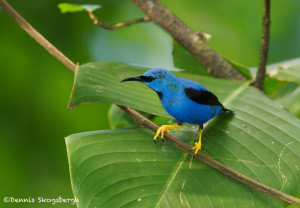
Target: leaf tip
67, 7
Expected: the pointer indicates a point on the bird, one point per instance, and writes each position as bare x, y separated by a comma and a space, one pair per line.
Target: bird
185, 100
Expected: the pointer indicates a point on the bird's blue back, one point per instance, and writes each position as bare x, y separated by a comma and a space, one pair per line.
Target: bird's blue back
173, 96
183, 109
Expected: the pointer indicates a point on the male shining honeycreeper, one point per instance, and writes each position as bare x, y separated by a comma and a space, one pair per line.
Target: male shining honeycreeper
185, 100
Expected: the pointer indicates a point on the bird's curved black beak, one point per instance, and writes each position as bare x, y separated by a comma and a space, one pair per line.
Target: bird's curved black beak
137, 78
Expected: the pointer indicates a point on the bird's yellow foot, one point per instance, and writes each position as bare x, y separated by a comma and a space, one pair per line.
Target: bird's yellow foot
161, 132
164, 128
197, 147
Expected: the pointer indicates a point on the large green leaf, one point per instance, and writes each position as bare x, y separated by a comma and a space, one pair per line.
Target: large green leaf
120, 167
125, 168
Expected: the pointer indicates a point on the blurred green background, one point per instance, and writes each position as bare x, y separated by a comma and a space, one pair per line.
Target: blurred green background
35, 86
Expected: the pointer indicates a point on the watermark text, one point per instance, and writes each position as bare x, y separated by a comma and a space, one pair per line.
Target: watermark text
40, 200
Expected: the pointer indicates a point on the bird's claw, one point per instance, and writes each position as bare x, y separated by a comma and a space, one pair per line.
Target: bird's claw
161, 132
197, 147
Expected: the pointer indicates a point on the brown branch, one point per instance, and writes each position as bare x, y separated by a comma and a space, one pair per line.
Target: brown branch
265, 37
117, 25
142, 121
190, 39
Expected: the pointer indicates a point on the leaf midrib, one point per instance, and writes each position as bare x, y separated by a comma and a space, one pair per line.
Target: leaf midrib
171, 178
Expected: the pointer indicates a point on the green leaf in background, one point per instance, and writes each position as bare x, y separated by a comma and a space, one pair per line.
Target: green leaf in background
183, 59
275, 87
244, 70
260, 141
67, 7
283, 84
292, 206
286, 94
287, 70
119, 119
292, 102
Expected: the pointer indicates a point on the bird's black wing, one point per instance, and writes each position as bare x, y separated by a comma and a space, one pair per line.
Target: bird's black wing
202, 96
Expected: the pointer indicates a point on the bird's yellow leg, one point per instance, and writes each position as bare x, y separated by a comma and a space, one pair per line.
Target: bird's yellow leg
197, 146
164, 128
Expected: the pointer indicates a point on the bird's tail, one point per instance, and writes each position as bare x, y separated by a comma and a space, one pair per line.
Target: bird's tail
226, 110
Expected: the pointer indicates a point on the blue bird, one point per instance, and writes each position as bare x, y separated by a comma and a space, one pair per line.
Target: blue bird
185, 100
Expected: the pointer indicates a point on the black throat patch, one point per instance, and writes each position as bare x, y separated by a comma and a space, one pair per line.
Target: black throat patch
160, 95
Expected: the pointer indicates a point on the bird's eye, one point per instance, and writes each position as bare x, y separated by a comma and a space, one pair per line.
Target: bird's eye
147, 78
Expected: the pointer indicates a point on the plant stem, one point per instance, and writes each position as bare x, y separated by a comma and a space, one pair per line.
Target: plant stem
96, 21
144, 122
117, 25
265, 37
188, 38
